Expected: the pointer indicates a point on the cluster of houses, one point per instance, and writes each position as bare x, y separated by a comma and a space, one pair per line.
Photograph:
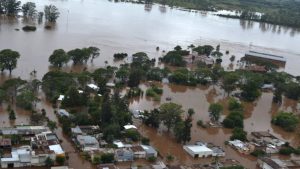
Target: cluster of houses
262, 140
38, 144
88, 139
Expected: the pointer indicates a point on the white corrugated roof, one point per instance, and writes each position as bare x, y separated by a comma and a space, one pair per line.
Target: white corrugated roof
198, 148
57, 149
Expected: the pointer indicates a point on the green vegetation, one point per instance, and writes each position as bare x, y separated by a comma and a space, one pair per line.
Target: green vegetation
8, 59
238, 134
274, 11
51, 13
60, 160
12, 115
258, 153
107, 158
120, 56
29, 28
215, 110
154, 92
235, 117
288, 121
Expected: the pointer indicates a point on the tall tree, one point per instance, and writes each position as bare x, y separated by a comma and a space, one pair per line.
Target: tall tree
11, 7
215, 110
59, 57
170, 113
29, 10
51, 13
8, 59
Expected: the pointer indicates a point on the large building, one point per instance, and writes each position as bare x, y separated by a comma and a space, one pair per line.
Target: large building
254, 56
198, 150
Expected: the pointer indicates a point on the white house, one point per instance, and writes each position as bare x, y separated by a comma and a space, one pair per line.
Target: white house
198, 150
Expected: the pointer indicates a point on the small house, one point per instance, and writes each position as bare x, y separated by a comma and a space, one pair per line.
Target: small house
150, 151
138, 151
122, 155
107, 166
5, 143
87, 143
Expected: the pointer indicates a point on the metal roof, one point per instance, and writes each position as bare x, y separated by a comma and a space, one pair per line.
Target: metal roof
265, 55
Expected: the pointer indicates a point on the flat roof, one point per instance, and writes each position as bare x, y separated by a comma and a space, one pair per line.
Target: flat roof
57, 149
198, 148
266, 56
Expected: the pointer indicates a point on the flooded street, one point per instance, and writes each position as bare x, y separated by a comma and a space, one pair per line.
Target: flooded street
126, 27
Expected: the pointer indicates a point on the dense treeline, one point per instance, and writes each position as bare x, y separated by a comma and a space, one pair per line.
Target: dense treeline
275, 11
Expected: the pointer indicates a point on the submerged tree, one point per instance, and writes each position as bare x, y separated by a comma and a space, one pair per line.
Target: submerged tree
170, 114
51, 13
215, 111
29, 10
11, 7
8, 59
12, 115
59, 57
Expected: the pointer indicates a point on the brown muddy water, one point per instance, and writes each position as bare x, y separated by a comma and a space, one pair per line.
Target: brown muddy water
258, 117
126, 27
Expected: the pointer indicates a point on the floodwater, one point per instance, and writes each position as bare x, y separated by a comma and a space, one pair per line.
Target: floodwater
258, 117
126, 27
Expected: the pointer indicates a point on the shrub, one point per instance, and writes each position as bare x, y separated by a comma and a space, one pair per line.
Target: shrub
239, 134
152, 159
28, 28
286, 151
285, 120
60, 160
258, 153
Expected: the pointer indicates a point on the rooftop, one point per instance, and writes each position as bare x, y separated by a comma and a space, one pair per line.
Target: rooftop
5, 142
198, 148
266, 56
57, 149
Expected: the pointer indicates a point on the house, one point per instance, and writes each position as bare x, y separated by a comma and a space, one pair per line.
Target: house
260, 56
87, 143
268, 163
63, 112
150, 151
265, 137
76, 131
242, 147
198, 150
47, 142
85, 130
24, 156
5, 143
25, 131
122, 155
120, 144
106, 166
159, 165
138, 151
195, 57
217, 152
